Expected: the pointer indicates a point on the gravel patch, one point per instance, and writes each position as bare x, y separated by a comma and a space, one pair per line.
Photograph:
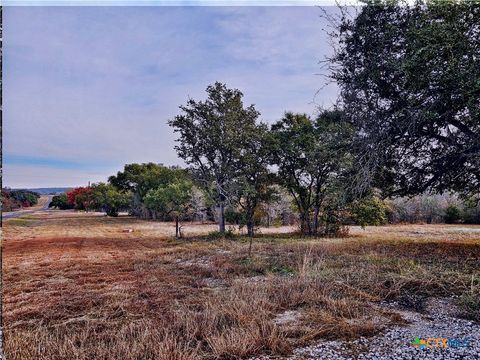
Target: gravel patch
437, 321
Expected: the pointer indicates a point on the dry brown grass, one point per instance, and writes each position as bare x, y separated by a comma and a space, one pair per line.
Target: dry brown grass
77, 286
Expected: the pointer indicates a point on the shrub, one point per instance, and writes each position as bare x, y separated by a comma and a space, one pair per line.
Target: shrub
234, 217
107, 198
333, 222
217, 235
369, 211
24, 197
452, 214
81, 198
60, 202
8, 204
471, 211
469, 306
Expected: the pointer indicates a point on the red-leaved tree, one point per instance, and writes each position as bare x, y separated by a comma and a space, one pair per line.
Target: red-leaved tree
81, 198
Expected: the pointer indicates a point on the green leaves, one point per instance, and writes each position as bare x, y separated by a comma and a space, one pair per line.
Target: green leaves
312, 156
140, 178
217, 138
110, 199
210, 132
173, 199
409, 80
369, 211
60, 202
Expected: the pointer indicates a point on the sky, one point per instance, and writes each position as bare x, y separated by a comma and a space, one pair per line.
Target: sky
89, 89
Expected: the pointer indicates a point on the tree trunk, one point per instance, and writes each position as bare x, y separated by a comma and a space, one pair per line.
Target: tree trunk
221, 218
176, 228
250, 246
250, 228
302, 223
305, 224
315, 220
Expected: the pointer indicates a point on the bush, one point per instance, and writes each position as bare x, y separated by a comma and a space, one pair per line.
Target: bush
217, 235
333, 222
107, 198
60, 202
452, 214
80, 198
234, 217
471, 212
369, 211
469, 306
8, 204
15, 199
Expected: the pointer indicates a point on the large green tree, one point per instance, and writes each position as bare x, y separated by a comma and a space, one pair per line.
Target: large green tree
312, 157
211, 133
253, 178
110, 199
409, 77
140, 178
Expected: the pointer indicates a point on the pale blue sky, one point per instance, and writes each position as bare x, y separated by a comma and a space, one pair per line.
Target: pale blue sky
88, 89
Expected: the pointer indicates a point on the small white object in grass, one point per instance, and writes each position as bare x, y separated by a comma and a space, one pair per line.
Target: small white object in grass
287, 317
127, 230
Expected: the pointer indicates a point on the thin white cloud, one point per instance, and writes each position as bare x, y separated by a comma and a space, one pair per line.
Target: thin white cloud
21, 176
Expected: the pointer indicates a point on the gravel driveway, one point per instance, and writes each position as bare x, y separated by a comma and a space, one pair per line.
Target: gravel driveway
437, 321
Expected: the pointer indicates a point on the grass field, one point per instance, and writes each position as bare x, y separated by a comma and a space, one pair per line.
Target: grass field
83, 286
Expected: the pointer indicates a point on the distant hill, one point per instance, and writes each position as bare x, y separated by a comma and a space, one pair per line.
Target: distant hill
46, 191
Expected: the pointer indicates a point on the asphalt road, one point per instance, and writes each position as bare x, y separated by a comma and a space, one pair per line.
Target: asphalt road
15, 214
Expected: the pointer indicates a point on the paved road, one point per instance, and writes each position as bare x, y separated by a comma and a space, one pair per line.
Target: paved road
15, 214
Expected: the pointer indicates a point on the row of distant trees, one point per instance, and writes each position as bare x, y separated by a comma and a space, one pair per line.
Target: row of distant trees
153, 191
433, 208
16, 199
100, 197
